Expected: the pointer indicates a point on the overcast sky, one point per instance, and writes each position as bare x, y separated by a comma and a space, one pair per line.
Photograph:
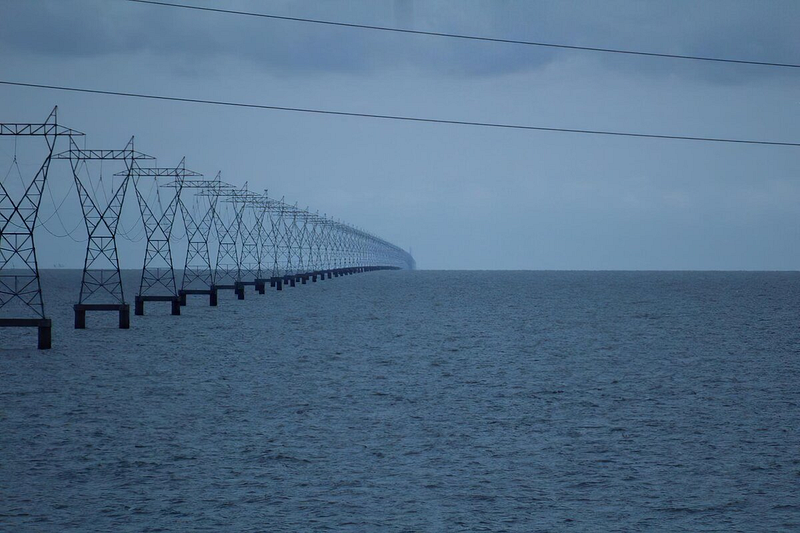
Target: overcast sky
460, 197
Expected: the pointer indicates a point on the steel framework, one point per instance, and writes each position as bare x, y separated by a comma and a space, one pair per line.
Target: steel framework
198, 272
250, 213
101, 280
227, 266
259, 238
158, 274
19, 269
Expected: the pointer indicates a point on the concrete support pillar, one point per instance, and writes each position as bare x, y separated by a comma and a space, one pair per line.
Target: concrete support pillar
80, 317
125, 316
45, 334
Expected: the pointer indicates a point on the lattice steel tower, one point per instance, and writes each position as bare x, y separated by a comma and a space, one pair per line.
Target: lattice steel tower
198, 272
101, 282
158, 274
20, 287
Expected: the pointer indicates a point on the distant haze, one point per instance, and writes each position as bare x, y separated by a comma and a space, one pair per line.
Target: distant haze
461, 197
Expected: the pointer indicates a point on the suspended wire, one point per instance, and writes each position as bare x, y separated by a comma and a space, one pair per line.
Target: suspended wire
15, 164
181, 226
95, 197
158, 197
404, 118
67, 233
102, 185
12, 166
126, 235
470, 37
57, 206
121, 228
60, 204
61, 236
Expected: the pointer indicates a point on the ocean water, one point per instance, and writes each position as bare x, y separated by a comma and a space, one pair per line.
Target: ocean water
414, 401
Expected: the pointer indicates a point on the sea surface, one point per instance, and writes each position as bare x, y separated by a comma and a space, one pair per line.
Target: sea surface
414, 401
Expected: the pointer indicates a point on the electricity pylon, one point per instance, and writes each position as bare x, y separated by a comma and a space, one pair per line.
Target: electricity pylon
20, 287
101, 281
227, 272
158, 273
198, 273
251, 218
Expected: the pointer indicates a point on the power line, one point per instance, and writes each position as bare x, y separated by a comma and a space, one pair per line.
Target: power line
469, 37
398, 117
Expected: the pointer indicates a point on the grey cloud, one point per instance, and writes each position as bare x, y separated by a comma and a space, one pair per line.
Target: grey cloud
86, 28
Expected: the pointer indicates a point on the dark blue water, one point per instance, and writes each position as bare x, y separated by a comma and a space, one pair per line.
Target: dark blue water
415, 401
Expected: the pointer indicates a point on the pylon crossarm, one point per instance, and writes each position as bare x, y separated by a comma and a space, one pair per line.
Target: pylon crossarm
34, 130
109, 215
127, 153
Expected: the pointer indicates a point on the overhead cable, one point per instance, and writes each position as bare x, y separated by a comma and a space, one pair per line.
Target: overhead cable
403, 118
468, 37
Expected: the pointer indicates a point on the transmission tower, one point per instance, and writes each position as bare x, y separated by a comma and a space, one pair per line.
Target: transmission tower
227, 267
101, 281
325, 229
20, 288
315, 246
294, 250
198, 274
260, 204
250, 212
281, 243
158, 216
280, 246
268, 246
